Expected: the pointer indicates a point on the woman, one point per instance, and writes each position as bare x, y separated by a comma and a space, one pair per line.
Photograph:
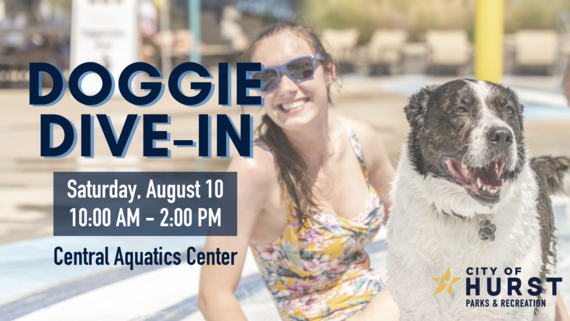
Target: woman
307, 200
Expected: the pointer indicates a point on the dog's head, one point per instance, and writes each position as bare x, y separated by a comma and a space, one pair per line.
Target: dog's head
468, 133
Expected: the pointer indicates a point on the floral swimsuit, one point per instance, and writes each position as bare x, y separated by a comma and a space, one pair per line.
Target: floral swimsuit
321, 272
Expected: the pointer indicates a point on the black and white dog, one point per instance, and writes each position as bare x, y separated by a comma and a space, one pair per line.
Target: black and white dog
465, 196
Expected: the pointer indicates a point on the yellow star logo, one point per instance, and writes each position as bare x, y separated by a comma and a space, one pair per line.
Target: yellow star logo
442, 285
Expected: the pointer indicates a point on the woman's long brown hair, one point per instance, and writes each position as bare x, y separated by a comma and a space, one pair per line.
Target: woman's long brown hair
294, 178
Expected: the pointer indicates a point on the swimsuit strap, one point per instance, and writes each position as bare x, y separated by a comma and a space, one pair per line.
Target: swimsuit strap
355, 145
260, 143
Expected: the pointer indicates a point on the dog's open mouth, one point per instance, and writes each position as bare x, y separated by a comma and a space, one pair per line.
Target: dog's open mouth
482, 182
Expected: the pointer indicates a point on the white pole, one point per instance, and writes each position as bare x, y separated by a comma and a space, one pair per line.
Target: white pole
165, 54
194, 16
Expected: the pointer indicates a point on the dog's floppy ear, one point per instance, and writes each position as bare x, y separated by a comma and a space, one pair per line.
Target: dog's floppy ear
519, 106
514, 96
415, 110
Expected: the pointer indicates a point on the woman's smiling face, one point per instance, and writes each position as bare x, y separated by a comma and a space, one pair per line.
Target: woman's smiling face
293, 105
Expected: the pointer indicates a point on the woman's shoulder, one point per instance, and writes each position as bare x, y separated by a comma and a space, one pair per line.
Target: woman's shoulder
368, 139
257, 171
364, 132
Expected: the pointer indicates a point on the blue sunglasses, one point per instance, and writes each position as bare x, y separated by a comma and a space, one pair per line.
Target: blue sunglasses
299, 70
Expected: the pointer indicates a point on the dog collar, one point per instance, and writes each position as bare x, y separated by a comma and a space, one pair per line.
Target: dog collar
486, 227
454, 214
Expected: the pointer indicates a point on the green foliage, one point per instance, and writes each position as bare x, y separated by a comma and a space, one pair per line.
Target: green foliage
533, 14
418, 16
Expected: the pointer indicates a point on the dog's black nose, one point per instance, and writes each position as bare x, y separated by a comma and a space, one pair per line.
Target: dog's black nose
500, 136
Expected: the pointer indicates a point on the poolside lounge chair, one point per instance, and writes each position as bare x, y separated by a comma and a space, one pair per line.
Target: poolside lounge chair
341, 44
536, 49
385, 48
448, 49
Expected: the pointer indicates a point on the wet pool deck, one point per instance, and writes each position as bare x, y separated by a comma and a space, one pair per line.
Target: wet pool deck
32, 288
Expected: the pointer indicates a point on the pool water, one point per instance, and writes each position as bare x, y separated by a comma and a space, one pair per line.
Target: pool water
28, 269
537, 104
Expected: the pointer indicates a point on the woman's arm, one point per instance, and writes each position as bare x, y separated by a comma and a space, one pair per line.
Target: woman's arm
561, 313
216, 298
380, 170
380, 173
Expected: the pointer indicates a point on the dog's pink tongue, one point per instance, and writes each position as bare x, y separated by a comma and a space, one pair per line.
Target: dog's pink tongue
487, 175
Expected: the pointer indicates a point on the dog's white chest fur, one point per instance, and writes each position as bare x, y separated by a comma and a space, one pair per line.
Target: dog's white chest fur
423, 243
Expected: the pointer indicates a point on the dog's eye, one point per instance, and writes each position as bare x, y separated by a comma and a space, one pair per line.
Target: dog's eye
460, 110
509, 110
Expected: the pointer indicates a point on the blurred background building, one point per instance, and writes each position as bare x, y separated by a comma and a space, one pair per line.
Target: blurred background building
367, 37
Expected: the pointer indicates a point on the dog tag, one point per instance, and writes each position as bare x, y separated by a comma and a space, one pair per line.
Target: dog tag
487, 231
